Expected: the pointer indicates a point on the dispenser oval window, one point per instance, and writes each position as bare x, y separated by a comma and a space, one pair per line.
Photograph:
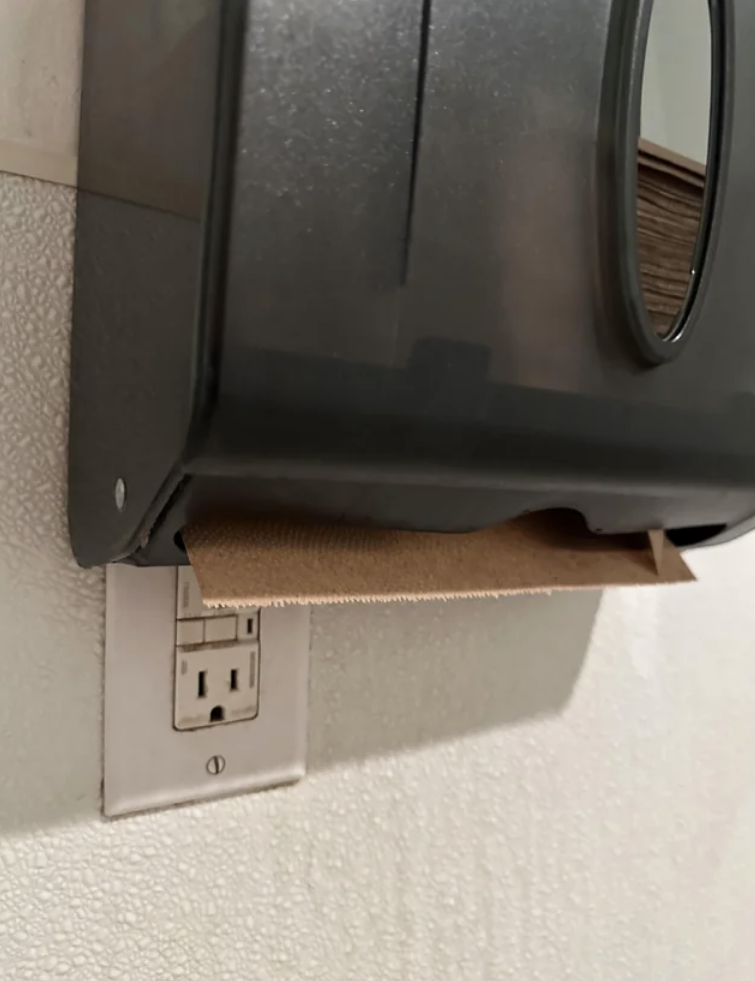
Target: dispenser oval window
677, 155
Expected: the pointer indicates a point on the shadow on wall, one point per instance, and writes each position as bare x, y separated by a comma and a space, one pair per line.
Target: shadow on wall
389, 678
384, 679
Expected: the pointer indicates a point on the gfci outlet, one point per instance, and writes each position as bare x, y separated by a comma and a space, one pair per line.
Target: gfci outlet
199, 703
217, 660
216, 685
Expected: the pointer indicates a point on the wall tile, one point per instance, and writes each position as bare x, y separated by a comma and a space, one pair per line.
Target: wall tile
40, 67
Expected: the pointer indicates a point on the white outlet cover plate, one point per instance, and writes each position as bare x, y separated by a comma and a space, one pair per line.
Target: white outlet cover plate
147, 763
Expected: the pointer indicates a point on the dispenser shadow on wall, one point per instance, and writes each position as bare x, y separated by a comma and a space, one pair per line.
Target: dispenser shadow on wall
495, 665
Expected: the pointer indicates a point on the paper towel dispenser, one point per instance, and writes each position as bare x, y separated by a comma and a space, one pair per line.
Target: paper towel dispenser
369, 261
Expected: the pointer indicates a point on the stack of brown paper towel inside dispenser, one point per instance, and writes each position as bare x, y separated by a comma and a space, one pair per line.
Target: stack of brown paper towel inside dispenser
669, 211
251, 562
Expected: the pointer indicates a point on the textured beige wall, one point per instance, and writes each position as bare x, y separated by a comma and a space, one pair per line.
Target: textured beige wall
536, 788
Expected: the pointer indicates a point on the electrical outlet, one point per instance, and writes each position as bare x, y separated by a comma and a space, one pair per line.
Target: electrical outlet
216, 685
198, 703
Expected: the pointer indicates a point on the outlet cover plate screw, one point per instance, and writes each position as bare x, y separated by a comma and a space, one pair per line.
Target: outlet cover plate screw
215, 765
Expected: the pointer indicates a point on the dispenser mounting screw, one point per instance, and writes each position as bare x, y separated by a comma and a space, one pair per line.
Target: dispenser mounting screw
120, 493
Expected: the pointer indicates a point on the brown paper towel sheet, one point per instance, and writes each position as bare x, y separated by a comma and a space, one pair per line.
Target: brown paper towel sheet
269, 563
670, 191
